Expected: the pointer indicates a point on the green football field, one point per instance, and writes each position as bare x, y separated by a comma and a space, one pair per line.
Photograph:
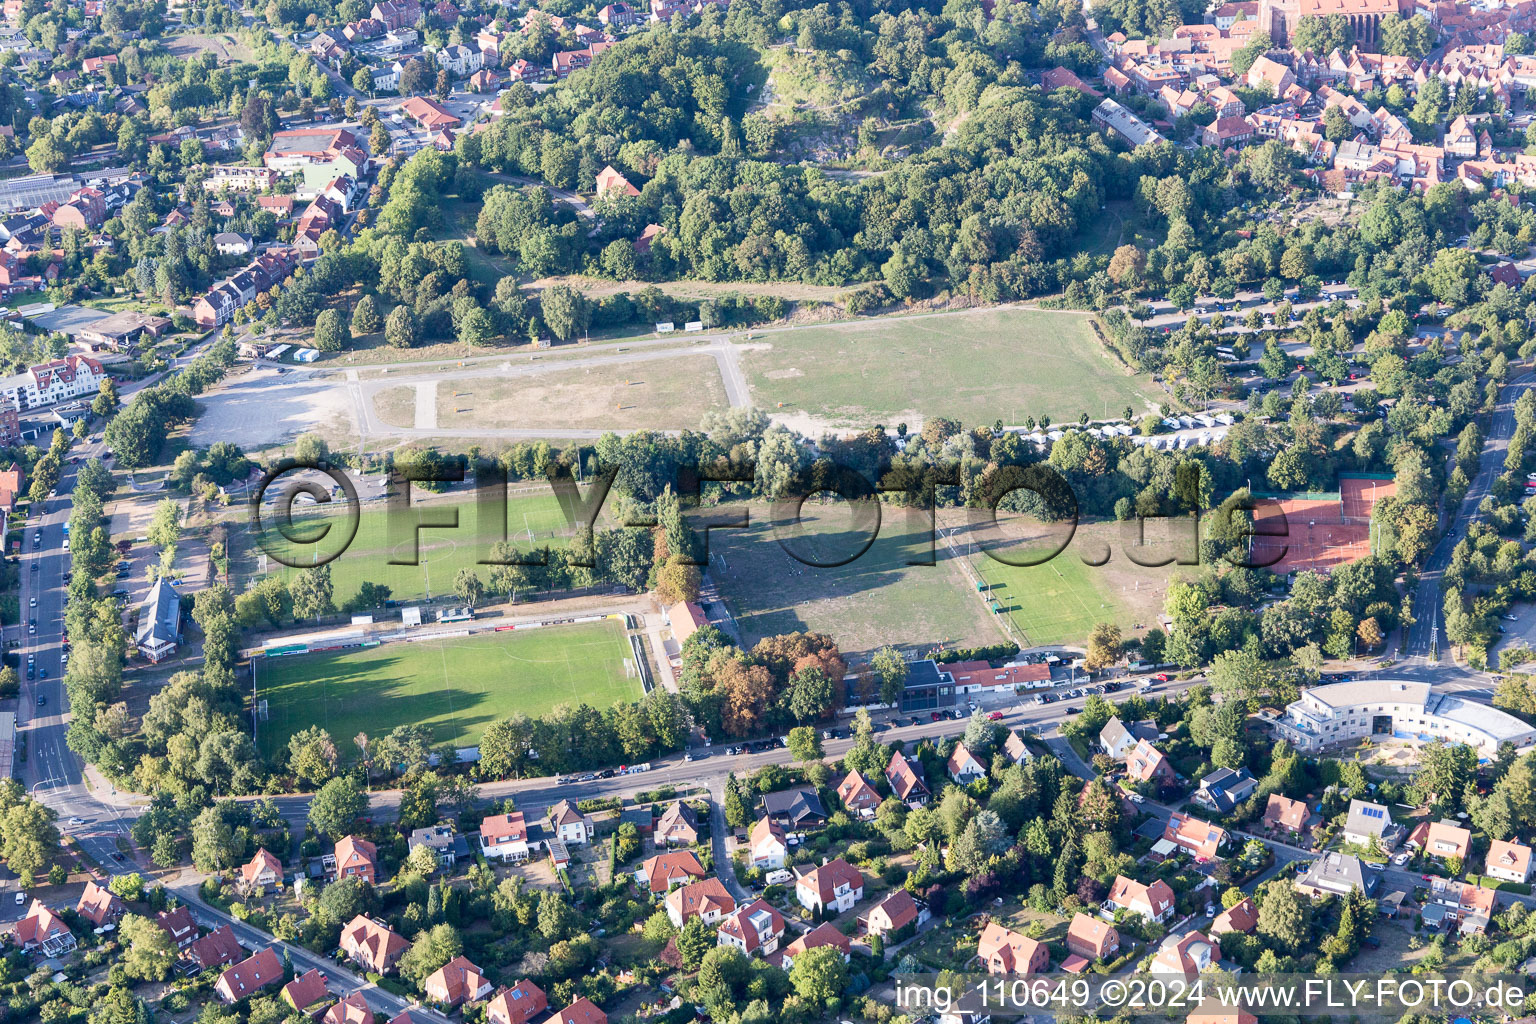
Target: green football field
1006, 364
455, 687
531, 519
1057, 602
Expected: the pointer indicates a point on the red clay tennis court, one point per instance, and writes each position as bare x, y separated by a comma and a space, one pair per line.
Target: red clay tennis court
1317, 531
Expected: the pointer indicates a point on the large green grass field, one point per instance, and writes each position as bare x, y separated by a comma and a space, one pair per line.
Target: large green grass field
1060, 600
1057, 602
876, 598
455, 687
975, 368
441, 552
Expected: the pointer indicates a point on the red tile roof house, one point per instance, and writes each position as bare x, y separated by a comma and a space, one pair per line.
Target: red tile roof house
859, 795
516, 1005
1010, 952
249, 976
1444, 840
99, 905
306, 990
1154, 902
372, 944
1284, 814
457, 981
905, 782
1506, 274
1190, 955
1225, 132
831, 888
609, 180
766, 846
895, 917
1240, 917
754, 928
1147, 764
504, 837
1472, 905
430, 114
215, 949
661, 872
964, 767
582, 1011
1092, 938
263, 870
43, 929
179, 925
1509, 861
357, 857
707, 900
352, 1009
1200, 839
825, 934
677, 826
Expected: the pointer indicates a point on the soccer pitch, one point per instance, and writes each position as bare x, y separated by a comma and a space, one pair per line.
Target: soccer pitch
440, 551
1057, 602
1006, 364
455, 686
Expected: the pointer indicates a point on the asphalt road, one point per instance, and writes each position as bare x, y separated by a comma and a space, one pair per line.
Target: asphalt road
52, 771
1424, 636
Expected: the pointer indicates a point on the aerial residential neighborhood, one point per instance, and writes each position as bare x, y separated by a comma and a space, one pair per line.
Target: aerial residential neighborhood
703, 511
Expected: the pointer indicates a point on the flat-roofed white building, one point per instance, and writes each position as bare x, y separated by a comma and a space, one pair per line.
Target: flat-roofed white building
1346, 712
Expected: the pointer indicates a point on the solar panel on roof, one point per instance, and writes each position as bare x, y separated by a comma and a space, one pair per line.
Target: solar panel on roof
1371, 812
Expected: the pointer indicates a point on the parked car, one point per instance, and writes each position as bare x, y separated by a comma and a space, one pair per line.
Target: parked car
995, 716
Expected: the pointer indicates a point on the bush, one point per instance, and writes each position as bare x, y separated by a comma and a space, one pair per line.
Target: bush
991, 652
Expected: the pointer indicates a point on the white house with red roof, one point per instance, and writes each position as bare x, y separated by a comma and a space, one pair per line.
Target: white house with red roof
1155, 902
504, 837
706, 900
831, 887
457, 981
50, 383
824, 934
964, 766
256, 972
767, 848
1508, 860
99, 905
263, 870
905, 782
676, 867
755, 929
610, 180
43, 930
516, 1005
859, 795
897, 911
1200, 839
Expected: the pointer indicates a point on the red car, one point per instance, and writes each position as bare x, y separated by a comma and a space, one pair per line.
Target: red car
936, 717
1161, 677
994, 716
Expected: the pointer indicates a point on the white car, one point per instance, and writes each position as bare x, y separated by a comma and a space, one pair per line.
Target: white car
34, 602
21, 899
77, 822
